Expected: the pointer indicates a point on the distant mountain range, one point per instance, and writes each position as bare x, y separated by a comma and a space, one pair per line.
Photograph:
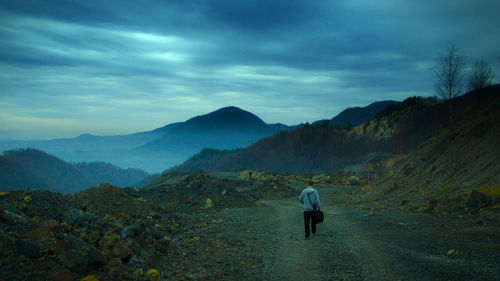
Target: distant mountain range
159, 149
397, 129
154, 151
32, 168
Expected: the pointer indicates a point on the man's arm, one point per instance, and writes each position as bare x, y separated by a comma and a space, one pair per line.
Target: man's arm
301, 197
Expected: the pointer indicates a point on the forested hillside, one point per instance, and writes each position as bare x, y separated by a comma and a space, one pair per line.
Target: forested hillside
397, 130
32, 168
359, 115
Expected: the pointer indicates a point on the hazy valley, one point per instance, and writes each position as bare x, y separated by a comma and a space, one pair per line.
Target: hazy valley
159, 149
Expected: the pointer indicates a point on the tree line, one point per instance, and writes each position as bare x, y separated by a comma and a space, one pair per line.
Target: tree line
451, 78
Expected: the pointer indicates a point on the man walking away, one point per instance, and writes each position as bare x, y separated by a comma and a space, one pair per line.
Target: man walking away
310, 198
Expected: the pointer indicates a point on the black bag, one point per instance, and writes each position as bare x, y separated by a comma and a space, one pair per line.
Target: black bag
319, 216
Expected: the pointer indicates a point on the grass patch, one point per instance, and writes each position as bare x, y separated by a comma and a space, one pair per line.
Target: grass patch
444, 189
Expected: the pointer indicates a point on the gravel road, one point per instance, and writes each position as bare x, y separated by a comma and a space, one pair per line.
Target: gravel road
356, 244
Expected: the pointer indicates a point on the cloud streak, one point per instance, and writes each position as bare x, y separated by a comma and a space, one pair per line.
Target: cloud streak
139, 65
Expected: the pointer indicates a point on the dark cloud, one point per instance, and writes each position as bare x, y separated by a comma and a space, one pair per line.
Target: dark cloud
170, 60
260, 15
85, 12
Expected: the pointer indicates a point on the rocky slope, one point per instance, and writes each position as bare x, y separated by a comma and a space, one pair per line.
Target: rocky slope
111, 233
456, 169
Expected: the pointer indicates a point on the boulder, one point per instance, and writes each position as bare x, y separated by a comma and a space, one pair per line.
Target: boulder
72, 216
58, 246
135, 261
122, 252
133, 230
164, 244
28, 248
151, 232
3, 216
82, 260
14, 216
44, 231
62, 275
109, 240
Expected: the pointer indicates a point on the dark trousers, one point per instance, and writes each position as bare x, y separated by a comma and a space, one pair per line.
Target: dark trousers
310, 218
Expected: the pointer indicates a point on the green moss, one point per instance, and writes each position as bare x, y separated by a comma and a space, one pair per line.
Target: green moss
153, 275
444, 189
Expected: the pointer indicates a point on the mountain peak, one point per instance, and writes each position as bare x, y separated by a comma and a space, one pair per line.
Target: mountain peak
229, 109
226, 128
232, 111
85, 136
226, 118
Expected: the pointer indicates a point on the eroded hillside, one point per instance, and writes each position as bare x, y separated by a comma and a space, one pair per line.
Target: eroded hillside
445, 169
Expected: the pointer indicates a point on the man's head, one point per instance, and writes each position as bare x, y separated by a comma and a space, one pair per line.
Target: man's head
310, 184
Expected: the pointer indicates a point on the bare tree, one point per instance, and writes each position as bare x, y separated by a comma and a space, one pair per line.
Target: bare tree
449, 76
480, 76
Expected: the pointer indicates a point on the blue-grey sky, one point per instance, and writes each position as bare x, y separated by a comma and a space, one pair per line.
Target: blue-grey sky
116, 67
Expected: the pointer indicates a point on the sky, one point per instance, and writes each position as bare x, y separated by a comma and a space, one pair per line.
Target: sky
118, 67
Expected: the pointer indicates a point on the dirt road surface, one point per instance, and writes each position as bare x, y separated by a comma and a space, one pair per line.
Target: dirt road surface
356, 244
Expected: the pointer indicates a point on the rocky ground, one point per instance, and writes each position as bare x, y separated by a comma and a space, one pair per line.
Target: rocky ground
234, 227
174, 229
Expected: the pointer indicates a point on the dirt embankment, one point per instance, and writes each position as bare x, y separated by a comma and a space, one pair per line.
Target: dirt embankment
453, 172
